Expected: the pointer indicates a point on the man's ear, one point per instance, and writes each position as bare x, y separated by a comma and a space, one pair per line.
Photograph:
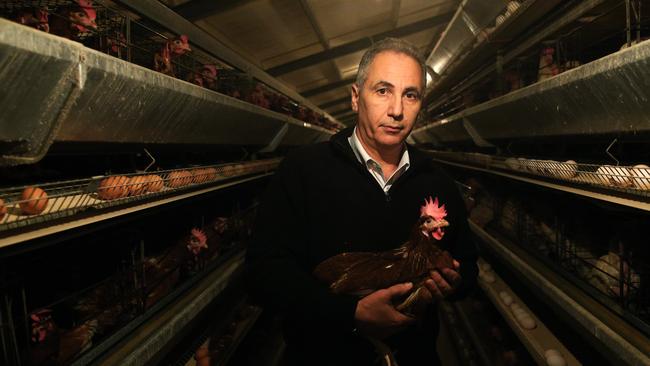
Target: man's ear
355, 97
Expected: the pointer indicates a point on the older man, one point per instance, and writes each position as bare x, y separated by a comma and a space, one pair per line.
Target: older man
359, 192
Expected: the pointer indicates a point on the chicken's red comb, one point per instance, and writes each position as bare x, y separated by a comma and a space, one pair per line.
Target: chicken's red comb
432, 209
200, 236
184, 38
88, 7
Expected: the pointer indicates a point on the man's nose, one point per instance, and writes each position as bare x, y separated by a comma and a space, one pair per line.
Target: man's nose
396, 109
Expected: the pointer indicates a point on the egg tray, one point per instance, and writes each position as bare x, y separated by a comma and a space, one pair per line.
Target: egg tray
24, 206
629, 179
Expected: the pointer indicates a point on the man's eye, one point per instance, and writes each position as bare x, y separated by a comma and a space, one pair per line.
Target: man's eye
382, 91
414, 96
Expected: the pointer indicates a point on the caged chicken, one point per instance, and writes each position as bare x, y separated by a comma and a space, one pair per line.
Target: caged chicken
74, 21
360, 273
162, 60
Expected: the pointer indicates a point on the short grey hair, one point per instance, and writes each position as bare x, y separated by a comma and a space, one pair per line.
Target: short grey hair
390, 45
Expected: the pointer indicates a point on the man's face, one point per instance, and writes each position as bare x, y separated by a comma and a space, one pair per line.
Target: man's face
389, 101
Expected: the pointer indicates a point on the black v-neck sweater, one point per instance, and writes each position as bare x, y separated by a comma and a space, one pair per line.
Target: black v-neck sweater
322, 201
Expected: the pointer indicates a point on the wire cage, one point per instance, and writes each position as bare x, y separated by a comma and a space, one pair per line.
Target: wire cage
104, 26
41, 203
615, 26
629, 179
614, 271
136, 280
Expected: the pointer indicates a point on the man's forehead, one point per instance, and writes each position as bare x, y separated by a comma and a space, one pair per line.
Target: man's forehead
387, 63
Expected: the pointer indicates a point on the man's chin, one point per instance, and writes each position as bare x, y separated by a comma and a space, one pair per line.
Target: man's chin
391, 141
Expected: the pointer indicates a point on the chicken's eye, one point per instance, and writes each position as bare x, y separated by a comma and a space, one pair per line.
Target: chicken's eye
428, 221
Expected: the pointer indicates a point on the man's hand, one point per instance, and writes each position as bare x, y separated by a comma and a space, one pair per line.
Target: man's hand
443, 283
376, 316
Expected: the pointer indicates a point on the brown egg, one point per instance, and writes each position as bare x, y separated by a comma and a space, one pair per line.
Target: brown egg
155, 183
138, 185
3, 208
198, 175
179, 178
228, 171
113, 187
34, 201
210, 174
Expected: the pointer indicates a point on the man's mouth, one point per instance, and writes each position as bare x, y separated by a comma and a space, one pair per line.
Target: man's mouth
392, 129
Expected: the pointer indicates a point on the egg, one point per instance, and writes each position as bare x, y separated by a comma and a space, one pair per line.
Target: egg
179, 178
554, 358
568, 169
513, 163
210, 174
227, 171
33, 201
3, 208
641, 175
526, 321
615, 176
198, 175
512, 7
154, 183
137, 185
506, 298
113, 187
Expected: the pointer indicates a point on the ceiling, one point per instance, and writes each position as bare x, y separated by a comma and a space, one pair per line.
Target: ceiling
314, 46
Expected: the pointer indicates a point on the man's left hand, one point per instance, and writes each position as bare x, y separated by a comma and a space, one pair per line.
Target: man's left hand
444, 282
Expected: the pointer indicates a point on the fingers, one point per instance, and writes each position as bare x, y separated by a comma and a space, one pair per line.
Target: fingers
399, 289
438, 286
456, 264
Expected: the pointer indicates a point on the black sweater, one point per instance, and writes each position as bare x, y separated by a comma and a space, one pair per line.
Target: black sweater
322, 201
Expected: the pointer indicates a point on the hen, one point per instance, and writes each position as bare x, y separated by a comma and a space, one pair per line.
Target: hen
360, 273
171, 48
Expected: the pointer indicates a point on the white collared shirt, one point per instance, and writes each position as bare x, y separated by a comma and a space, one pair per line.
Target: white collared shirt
373, 167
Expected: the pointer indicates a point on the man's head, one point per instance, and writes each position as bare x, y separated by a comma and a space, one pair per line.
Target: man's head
387, 94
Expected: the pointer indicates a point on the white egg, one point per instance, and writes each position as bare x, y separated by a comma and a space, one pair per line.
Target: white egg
506, 298
555, 360
641, 173
614, 176
552, 352
527, 322
568, 169
513, 6
513, 163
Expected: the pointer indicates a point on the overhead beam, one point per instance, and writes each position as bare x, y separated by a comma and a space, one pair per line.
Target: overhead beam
334, 102
328, 87
194, 10
358, 45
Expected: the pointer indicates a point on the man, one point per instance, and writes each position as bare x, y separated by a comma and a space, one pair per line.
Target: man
359, 192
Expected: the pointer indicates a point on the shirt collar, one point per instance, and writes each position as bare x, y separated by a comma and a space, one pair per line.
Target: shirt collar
363, 156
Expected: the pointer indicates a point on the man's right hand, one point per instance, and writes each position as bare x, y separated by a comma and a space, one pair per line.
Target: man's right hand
376, 316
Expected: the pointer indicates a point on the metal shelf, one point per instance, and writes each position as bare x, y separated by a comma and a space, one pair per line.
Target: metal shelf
537, 340
606, 96
146, 342
619, 197
94, 97
158, 12
529, 12
78, 218
605, 328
